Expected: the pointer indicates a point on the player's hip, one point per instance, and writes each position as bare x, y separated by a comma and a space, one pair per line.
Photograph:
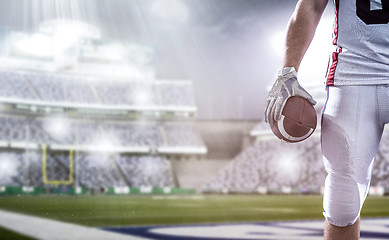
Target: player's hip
358, 103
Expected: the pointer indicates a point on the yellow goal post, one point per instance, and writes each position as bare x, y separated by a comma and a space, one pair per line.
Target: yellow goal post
44, 169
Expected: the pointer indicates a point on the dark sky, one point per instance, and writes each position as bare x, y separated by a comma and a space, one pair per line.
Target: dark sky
223, 46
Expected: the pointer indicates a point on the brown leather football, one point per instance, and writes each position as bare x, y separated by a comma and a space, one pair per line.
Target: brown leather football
298, 120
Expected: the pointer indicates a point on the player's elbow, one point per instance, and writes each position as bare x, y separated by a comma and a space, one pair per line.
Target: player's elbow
310, 9
313, 6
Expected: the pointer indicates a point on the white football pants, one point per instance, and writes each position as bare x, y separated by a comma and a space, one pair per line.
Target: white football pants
353, 120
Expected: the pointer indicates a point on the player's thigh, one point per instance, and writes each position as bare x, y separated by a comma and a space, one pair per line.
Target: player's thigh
351, 129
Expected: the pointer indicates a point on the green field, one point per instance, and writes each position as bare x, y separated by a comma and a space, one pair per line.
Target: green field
6, 234
101, 211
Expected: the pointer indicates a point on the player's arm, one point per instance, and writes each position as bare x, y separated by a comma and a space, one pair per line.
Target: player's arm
301, 29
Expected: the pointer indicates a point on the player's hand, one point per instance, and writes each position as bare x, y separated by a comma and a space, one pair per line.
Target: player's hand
285, 87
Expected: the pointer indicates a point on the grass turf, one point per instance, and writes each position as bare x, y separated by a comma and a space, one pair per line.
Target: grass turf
101, 211
7, 234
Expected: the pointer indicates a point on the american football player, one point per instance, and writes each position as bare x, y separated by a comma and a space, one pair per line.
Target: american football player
357, 106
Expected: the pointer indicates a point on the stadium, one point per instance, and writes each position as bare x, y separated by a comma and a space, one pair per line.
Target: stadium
115, 123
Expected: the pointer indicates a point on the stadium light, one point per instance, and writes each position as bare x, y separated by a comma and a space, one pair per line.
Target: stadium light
37, 44
105, 142
73, 27
288, 165
64, 39
141, 98
114, 52
8, 167
57, 127
66, 33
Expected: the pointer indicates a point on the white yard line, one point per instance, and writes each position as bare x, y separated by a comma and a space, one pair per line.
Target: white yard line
42, 228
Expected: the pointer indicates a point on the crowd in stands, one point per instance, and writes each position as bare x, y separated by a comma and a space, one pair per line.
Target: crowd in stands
57, 166
14, 86
20, 168
138, 170
97, 170
180, 92
380, 173
273, 164
23, 166
11, 168
72, 89
89, 170
88, 132
182, 135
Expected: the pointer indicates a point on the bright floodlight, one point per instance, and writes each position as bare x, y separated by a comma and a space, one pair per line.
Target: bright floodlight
73, 28
114, 52
38, 44
8, 166
142, 97
57, 127
66, 33
105, 142
288, 165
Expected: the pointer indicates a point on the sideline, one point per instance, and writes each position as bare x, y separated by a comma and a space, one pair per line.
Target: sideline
42, 228
371, 229
47, 229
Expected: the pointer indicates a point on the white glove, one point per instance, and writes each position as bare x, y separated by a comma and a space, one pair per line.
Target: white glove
285, 87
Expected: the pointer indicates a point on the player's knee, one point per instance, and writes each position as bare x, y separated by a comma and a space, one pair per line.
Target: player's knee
342, 200
343, 218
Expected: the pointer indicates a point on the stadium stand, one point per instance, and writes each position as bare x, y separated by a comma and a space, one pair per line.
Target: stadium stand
84, 132
272, 166
11, 168
80, 118
98, 171
57, 166
14, 86
380, 174
182, 136
108, 151
170, 91
145, 171
92, 170
20, 168
33, 165
48, 88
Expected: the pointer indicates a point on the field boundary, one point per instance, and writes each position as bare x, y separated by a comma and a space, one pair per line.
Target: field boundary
371, 229
42, 228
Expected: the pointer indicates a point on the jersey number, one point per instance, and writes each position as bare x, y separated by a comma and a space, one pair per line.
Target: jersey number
379, 16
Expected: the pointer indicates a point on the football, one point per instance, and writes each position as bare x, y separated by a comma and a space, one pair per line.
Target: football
298, 120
